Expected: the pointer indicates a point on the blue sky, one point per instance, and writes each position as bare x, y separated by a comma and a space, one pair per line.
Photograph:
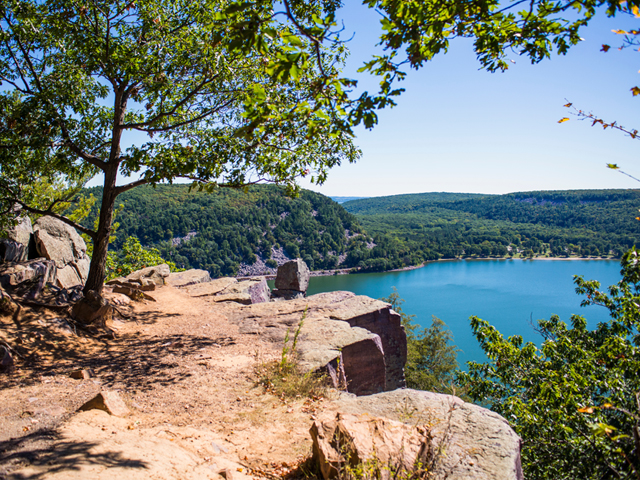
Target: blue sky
461, 129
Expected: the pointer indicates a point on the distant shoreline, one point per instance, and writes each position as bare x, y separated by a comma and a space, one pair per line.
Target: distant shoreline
349, 271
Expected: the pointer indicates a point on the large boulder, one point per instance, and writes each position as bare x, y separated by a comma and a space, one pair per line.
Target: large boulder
15, 247
57, 241
155, 274
378, 317
293, 275
353, 356
188, 277
411, 429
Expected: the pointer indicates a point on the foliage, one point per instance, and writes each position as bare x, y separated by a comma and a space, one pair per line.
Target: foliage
78, 76
574, 401
286, 378
133, 257
226, 229
559, 224
431, 356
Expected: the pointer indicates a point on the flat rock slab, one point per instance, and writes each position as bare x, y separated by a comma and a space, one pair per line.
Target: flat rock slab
188, 277
476, 443
214, 287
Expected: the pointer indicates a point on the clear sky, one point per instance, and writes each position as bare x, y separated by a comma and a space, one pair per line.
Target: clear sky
461, 129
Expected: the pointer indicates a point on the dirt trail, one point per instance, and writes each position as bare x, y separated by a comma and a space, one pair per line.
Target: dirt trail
186, 374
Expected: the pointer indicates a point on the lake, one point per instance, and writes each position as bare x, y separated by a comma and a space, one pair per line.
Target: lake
506, 293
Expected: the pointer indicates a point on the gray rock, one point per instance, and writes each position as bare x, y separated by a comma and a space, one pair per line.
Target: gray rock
188, 277
37, 272
57, 241
156, 274
6, 359
353, 357
256, 288
12, 251
20, 235
464, 440
293, 275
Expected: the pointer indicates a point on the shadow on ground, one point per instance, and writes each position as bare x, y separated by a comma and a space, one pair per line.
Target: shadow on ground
45, 448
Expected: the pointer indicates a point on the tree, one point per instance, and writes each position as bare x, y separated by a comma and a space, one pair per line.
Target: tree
575, 401
162, 89
431, 356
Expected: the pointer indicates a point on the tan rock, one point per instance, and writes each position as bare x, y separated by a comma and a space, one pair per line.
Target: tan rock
108, 401
188, 277
213, 287
471, 442
83, 374
133, 293
378, 445
156, 274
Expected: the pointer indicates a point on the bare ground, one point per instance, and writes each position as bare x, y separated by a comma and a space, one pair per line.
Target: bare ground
187, 376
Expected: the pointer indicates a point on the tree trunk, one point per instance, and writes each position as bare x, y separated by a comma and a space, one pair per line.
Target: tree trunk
97, 270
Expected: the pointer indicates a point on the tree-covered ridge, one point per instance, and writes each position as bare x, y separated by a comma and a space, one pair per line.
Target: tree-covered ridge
558, 223
219, 231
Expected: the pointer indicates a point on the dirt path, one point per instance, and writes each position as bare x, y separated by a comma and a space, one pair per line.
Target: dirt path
186, 374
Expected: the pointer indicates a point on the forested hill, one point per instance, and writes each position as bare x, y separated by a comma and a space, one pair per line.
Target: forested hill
557, 223
231, 232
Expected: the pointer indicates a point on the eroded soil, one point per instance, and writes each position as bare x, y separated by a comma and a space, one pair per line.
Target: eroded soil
185, 373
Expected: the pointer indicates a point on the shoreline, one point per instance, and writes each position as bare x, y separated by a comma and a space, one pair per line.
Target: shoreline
348, 271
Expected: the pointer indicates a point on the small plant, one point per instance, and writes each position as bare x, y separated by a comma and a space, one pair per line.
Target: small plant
286, 377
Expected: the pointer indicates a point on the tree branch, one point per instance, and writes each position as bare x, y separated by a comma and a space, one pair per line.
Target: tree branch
129, 186
49, 213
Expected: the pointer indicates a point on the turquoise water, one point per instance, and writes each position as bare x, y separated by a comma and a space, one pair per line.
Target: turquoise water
507, 293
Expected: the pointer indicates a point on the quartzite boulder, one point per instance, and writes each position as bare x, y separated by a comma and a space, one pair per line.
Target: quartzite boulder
293, 275
459, 440
108, 401
188, 277
57, 241
351, 355
155, 274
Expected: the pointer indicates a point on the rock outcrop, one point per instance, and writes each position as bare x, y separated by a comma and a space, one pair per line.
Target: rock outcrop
246, 292
15, 248
292, 280
57, 241
413, 430
28, 278
354, 356
155, 275
188, 277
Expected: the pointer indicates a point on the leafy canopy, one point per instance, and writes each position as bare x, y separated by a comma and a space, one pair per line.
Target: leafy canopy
575, 400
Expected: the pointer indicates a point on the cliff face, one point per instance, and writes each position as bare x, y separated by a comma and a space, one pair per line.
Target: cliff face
359, 341
184, 365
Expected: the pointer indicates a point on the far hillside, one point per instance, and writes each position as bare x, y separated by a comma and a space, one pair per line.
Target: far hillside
585, 223
238, 232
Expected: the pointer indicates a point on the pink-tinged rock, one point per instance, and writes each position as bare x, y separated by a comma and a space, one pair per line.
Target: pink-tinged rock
39, 271
378, 318
462, 440
12, 251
